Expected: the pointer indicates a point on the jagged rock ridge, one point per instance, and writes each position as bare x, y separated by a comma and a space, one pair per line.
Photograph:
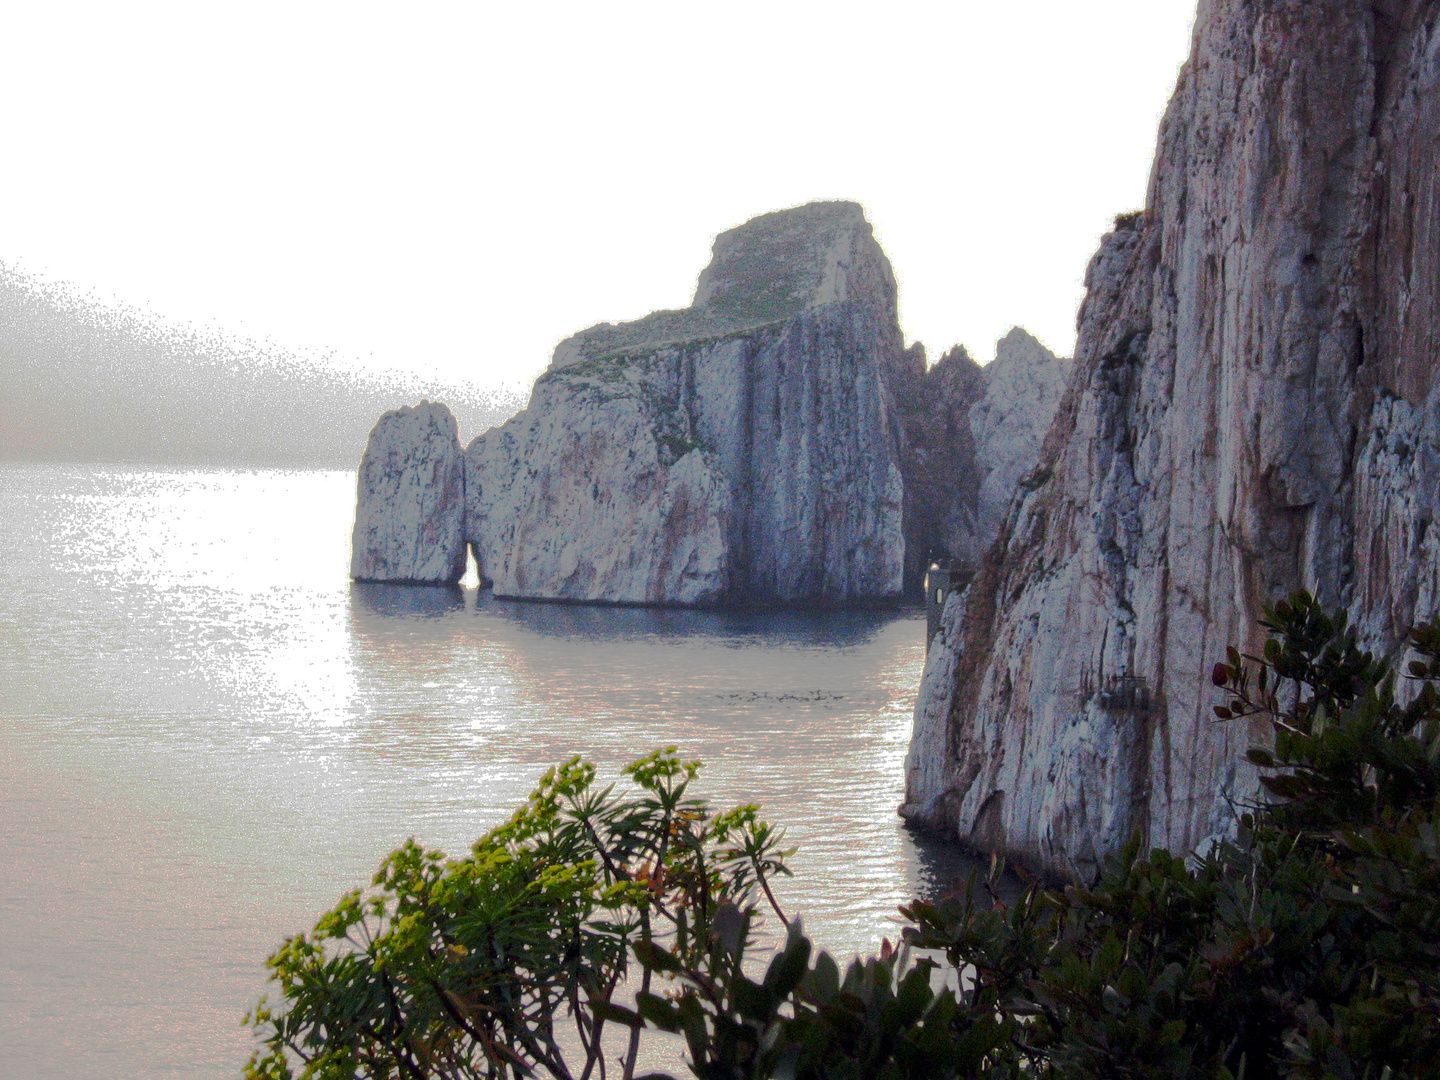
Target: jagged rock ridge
941, 468
1023, 388
973, 435
1255, 408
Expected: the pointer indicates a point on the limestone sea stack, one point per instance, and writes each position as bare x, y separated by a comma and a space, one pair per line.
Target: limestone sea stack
410, 501
1256, 407
743, 450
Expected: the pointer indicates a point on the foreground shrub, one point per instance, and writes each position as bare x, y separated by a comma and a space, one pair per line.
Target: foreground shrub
504, 962
1306, 947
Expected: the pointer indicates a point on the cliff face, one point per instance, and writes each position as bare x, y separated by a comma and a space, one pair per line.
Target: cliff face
744, 449
410, 503
1255, 408
973, 435
600, 490
1023, 388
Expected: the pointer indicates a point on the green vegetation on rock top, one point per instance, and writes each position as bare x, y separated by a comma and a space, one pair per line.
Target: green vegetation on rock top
770, 267
660, 329
763, 272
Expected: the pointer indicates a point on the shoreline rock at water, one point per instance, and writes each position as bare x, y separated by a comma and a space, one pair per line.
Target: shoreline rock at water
771, 445
410, 500
1256, 408
744, 450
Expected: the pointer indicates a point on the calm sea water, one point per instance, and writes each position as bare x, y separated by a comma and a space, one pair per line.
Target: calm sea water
207, 734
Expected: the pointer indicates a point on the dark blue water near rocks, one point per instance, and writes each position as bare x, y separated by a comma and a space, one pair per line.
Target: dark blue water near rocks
207, 734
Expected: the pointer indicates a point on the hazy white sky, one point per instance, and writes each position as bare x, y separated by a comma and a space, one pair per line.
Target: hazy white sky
455, 187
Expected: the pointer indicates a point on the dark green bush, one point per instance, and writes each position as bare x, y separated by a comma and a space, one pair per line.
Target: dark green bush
1306, 947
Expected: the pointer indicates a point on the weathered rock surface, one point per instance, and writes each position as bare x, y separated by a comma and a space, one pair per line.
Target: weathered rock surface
941, 471
1023, 387
742, 450
973, 434
410, 501
1255, 407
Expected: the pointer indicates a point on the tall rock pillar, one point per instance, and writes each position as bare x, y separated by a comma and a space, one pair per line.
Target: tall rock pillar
410, 500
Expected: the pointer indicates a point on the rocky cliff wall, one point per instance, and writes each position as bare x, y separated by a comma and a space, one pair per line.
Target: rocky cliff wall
743, 450
1255, 408
973, 436
770, 444
1008, 424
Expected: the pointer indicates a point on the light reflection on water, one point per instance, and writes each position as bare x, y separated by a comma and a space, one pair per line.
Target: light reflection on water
207, 734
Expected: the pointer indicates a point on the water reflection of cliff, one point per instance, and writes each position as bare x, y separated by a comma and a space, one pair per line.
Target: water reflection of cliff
838, 628
373, 604
941, 867
792, 698
391, 601
620, 664
804, 713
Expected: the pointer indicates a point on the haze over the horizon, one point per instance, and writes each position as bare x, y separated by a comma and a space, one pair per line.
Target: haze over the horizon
452, 190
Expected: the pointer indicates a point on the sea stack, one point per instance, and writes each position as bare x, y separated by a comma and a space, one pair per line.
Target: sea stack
410, 500
743, 450
1256, 408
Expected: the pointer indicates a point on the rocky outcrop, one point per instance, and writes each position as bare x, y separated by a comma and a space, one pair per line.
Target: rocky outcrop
942, 473
410, 501
1255, 408
1008, 424
973, 436
742, 450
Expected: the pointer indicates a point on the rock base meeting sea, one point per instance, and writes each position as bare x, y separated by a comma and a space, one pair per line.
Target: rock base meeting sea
773, 444
1255, 410
410, 505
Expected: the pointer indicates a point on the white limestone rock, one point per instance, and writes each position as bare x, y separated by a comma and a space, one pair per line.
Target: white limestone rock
742, 450
1254, 409
1023, 388
973, 437
410, 500
589, 495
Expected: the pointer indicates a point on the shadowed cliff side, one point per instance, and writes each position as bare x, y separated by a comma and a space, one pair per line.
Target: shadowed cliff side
1254, 409
972, 436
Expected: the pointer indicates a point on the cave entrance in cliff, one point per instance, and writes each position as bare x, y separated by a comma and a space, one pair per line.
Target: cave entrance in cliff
471, 578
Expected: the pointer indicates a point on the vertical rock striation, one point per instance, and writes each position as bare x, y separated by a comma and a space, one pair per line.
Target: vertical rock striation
973, 435
742, 450
942, 472
410, 503
1255, 408
1023, 388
